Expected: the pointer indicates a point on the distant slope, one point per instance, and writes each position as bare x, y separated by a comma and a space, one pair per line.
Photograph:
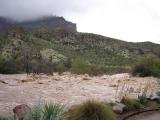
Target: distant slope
5, 23
47, 23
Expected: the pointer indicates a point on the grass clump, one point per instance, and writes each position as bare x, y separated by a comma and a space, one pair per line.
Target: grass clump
147, 67
132, 104
91, 110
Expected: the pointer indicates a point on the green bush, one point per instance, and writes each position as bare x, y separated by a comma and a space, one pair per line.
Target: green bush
147, 67
80, 66
60, 68
158, 93
143, 100
131, 104
91, 110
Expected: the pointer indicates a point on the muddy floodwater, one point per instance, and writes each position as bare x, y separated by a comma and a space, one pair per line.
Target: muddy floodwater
70, 89
147, 116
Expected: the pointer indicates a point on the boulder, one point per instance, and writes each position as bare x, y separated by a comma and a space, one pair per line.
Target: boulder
154, 97
21, 110
119, 108
86, 78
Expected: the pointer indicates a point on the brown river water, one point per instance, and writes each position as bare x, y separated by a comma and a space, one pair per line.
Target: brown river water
70, 89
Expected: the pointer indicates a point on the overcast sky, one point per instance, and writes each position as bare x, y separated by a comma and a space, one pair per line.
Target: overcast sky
130, 20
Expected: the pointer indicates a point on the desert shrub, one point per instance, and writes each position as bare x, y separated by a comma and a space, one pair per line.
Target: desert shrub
60, 68
147, 67
97, 70
80, 66
91, 110
158, 93
131, 104
10, 66
143, 100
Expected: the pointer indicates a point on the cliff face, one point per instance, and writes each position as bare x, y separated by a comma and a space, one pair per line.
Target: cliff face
47, 23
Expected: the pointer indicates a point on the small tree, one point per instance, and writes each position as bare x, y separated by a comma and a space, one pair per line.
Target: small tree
26, 53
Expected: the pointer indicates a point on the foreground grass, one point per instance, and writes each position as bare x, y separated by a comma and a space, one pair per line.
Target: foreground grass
42, 112
90, 110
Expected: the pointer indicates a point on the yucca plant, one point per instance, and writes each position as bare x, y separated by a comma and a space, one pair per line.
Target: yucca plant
46, 111
53, 112
91, 110
36, 112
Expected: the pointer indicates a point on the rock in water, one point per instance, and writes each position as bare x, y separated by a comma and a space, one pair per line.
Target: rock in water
21, 110
154, 97
119, 108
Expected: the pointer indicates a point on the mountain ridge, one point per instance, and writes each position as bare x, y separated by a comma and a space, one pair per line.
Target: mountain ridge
47, 22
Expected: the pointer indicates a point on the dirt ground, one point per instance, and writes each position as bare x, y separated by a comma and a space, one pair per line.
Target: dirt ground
69, 89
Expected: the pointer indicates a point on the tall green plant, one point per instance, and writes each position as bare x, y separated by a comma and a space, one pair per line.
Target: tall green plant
46, 111
53, 112
36, 113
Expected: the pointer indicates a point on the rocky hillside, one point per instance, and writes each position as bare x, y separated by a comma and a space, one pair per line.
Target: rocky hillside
60, 49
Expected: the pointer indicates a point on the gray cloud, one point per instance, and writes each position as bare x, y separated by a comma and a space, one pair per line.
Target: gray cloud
131, 20
28, 9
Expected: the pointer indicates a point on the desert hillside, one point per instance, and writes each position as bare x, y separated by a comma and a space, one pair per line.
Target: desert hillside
64, 49
74, 73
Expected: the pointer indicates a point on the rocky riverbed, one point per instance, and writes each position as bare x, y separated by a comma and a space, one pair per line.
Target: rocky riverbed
70, 89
